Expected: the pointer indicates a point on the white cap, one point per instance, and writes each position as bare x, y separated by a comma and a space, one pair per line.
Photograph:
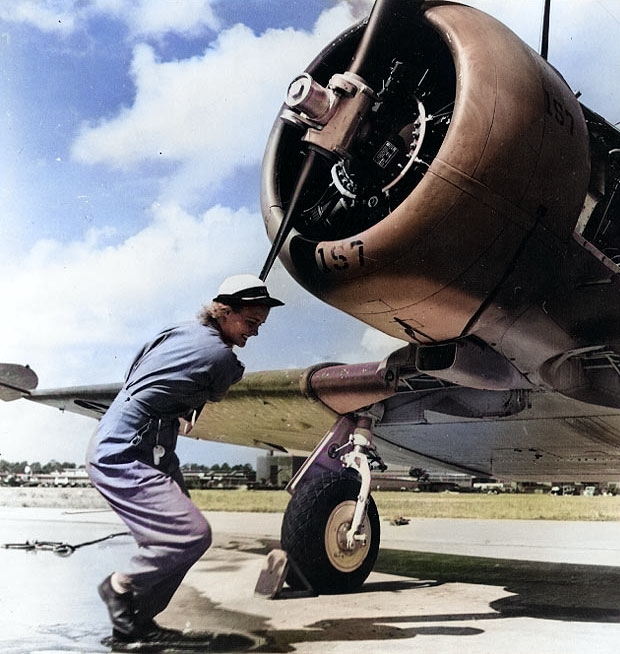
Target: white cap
245, 289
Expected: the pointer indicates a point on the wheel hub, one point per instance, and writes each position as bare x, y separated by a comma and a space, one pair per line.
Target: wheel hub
339, 554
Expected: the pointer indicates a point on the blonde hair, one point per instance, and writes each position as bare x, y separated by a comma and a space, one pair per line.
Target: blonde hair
211, 313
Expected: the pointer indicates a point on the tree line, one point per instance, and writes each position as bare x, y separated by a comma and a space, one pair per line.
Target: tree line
36, 468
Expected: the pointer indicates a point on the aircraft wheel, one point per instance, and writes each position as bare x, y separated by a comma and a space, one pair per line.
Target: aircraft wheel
314, 530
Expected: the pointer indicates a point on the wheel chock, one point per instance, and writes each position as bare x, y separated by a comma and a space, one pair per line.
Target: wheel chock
272, 576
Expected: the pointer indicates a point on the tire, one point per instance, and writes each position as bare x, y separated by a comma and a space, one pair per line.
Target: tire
315, 523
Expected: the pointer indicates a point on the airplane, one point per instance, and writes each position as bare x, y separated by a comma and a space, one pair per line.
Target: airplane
434, 177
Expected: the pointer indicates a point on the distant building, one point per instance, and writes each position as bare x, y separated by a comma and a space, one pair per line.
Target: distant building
220, 479
69, 477
276, 470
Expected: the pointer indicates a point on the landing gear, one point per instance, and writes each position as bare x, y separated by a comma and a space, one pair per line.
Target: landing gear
314, 534
331, 529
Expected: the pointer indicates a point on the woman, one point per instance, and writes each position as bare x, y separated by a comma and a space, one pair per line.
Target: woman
131, 458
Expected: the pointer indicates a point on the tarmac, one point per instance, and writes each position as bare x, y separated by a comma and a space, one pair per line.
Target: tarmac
440, 586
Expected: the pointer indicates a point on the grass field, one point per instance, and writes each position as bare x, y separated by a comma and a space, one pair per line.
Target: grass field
435, 505
390, 504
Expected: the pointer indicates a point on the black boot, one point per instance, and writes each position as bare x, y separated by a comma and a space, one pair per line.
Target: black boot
120, 607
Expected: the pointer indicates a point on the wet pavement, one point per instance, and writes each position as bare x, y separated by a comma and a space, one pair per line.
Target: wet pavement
439, 586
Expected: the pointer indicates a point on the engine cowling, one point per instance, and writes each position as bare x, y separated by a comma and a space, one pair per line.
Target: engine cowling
473, 140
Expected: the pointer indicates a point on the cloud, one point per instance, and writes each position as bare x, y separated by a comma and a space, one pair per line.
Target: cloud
34, 432
158, 17
86, 295
145, 18
52, 16
376, 344
77, 312
209, 114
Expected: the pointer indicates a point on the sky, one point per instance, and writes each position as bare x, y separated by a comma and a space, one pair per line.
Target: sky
131, 139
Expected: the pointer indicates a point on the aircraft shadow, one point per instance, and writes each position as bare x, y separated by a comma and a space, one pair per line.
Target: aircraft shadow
553, 591
541, 590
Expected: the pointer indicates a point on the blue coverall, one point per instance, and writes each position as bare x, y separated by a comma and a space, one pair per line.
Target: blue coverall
173, 376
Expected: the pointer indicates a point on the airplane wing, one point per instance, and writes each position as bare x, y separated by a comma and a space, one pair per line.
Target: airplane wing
278, 409
426, 422
264, 408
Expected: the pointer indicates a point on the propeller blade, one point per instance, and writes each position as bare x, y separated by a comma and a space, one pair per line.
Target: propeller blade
288, 221
384, 17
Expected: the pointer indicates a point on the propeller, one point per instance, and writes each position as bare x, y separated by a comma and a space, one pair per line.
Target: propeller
384, 16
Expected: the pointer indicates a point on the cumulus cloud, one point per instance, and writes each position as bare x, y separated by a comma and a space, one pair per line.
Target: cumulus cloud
376, 344
210, 114
82, 307
86, 294
77, 312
